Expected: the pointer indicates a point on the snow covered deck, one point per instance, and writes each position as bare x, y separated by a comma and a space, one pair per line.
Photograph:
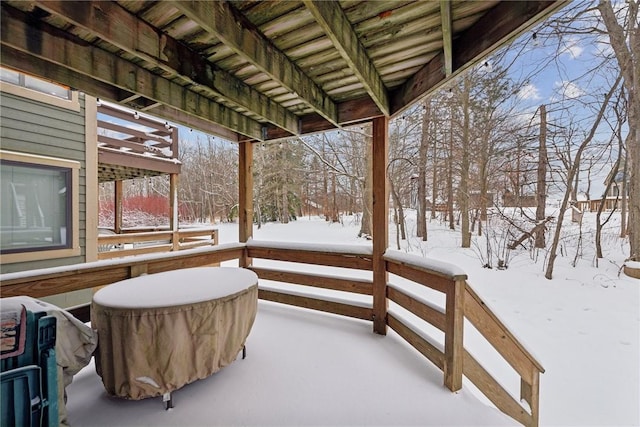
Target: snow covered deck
302, 368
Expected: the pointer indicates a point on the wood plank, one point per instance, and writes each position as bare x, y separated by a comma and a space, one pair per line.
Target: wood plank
425, 348
330, 16
500, 337
220, 19
174, 179
245, 197
108, 156
531, 394
380, 226
134, 252
426, 313
420, 276
494, 391
59, 48
350, 112
126, 31
117, 206
316, 304
447, 36
149, 236
503, 22
453, 336
312, 257
84, 276
24, 61
137, 136
358, 286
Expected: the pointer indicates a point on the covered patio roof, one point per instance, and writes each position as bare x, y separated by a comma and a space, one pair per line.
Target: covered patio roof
259, 70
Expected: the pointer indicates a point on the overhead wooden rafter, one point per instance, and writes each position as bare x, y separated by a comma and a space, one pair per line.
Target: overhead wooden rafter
219, 19
250, 71
115, 25
337, 27
40, 41
447, 36
497, 26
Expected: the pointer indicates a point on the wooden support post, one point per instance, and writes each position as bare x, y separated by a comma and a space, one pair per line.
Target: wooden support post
453, 339
117, 207
531, 394
245, 197
138, 270
380, 226
173, 210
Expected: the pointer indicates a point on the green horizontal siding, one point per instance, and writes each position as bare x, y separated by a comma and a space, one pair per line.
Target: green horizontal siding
32, 127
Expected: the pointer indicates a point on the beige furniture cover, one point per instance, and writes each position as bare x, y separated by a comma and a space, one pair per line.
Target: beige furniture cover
162, 331
75, 343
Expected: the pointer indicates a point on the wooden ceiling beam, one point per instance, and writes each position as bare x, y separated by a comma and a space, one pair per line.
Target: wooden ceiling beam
506, 21
337, 27
49, 44
115, 25
447, 36
221, 20
25, 62
350, 113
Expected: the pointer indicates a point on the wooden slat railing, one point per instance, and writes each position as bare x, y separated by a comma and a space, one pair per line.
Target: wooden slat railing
139, 243
520, 359
344, 256
450, 281
461, 298
58, 280
460, 302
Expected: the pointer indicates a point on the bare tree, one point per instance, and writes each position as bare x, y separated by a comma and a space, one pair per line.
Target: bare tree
572, 171
624, 35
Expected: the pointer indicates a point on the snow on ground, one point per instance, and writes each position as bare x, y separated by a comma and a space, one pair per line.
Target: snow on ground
583, 326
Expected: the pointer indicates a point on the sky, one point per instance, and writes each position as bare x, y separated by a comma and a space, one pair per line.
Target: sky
309, 368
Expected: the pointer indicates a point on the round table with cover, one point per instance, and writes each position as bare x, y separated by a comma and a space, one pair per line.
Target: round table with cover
159, 332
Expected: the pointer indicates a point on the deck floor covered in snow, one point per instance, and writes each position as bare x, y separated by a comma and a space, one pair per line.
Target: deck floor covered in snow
302, 368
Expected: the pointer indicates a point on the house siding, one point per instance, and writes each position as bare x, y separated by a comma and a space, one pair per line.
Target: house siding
33, 127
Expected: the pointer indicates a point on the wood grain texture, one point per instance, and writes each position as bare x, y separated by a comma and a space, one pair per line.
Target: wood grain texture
500, 337
426, 313
316, 304
380, 225
494, 391
425, 348
357, 286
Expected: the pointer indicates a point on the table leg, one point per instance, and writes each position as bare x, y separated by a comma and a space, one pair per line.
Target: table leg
168, 402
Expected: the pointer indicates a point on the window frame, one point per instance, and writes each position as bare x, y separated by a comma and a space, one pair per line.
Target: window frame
73, 103
73, 246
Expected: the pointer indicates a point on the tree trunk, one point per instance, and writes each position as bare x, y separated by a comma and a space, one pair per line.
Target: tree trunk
450, 181
434, 179
623, 196
571, 175
541, 183
421, 226
463, 193
367, 193
626, 46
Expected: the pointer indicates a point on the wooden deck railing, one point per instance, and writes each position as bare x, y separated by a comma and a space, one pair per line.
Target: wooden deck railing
138, 243
460, 302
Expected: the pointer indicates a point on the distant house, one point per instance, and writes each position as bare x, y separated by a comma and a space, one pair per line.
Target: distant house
612, 199
511, 200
